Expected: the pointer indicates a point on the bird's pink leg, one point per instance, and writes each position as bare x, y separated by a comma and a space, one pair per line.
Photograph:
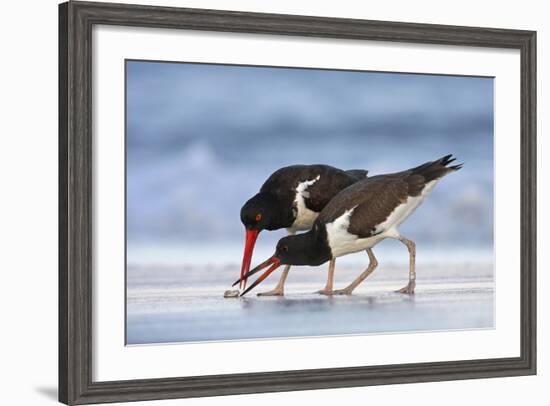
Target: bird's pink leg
411, 246
372, 266
280, 288
327, 290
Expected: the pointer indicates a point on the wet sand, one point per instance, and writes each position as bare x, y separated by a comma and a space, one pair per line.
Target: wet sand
170, 304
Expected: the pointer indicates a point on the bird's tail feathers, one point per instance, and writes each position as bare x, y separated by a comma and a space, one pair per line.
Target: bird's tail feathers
438, 168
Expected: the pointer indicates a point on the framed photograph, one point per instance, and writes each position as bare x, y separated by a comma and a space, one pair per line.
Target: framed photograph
257, 202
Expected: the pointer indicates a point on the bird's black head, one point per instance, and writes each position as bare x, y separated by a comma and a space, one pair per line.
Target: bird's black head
309, 248
302, 249
261, 212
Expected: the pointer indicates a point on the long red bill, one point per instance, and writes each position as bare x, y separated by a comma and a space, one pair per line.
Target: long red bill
273, 261
252, 272
250, 240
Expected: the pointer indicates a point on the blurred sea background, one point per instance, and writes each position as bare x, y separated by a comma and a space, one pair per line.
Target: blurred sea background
201, 139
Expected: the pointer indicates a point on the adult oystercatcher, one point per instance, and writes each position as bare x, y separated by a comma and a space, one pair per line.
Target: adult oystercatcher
357, 219
292, 198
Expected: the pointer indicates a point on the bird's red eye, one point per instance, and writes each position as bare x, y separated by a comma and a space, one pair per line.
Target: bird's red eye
258, 217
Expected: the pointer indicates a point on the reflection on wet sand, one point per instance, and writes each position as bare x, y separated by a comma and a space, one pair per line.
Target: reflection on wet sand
173, 311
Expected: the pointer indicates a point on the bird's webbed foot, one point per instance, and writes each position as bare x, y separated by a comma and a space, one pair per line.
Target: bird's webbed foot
273, 292
409, 289
326, 292
345, 291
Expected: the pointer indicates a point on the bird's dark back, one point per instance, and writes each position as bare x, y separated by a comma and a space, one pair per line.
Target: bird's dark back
376, 196
329, 181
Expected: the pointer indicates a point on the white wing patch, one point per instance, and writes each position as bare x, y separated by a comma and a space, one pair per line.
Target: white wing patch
342, 242
401, 212
304, 216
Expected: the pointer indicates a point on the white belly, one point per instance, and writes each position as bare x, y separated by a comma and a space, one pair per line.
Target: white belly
304, 219
342, 242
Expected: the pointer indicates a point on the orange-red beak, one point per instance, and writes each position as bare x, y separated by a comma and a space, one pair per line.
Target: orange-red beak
272, 262
250, 241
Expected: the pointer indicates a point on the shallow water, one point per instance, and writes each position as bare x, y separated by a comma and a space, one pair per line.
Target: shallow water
171, 304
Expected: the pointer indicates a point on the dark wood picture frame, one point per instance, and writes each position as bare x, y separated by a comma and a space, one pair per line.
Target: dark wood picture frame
76, 20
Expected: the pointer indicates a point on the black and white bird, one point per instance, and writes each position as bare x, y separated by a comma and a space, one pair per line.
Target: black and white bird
357, 219
292, 198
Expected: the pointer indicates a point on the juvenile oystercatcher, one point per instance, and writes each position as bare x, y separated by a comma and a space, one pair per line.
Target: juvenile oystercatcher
357, 219
292, 198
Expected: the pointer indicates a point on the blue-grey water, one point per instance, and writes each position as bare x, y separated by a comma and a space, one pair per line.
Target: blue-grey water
201, 139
